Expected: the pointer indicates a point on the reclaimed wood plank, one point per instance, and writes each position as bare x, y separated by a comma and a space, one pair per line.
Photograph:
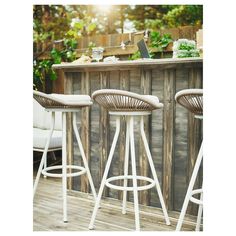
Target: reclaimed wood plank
68, 89
194, 129
104, 130
146, 88
181, 143
124, 85
157, 133
85, 128
168, 140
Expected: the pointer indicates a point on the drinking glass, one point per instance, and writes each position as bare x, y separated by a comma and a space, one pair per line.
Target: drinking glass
97, 53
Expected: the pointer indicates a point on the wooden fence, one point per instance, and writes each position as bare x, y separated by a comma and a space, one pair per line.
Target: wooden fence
112, 42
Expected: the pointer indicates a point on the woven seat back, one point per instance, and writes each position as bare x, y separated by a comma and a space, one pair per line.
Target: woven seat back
191, 100
123, 101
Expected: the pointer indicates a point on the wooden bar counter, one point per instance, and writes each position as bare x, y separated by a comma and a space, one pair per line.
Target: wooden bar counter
174, 135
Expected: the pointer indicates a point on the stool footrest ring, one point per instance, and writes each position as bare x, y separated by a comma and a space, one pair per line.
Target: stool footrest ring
81, 171
195, 200
139, 188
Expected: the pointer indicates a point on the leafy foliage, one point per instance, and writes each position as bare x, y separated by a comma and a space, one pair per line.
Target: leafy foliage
164, 16
158, 41
43, 68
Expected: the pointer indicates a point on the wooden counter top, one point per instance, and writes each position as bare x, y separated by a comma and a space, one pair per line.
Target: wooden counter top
120, 65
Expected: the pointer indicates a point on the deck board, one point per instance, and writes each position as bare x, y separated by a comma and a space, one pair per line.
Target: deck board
48, 212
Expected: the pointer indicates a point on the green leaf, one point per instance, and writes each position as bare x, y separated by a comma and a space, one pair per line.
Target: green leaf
79, 25
91, 27
53, 75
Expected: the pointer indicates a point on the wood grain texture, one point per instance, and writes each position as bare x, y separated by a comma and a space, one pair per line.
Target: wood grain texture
145, 88
85, 128
168, 139
69, 129
194, 135
136, 64
169, 128
124, 85
104, 130
47, 213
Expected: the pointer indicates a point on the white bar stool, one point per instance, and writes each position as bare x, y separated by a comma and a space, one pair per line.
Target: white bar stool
64, 104
128, 104
192, 99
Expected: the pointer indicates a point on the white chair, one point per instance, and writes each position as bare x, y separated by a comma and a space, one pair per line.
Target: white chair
65, 104
192, 99
123, 103
41, 129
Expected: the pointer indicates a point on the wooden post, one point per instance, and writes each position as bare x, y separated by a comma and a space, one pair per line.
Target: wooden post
85, 128
58, 84
168, 142
145, 88
194, 137
124, 85
68, 88
104, 130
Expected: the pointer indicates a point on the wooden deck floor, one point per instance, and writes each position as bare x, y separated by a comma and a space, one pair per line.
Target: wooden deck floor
48, 213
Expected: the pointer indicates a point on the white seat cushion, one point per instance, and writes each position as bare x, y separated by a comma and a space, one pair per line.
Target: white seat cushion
42, 118
151, 98
72, 99
40, 138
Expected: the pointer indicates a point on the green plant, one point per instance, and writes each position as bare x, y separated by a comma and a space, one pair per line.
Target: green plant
158, 41
135, 56
71, 32
185, 48
42, 69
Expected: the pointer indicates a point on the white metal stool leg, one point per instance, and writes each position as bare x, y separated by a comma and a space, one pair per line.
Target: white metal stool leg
44, 154
199, 215
153, 171
83, 156
64, 169
97, 203
134, 175
45, 164
190, 188
126, 166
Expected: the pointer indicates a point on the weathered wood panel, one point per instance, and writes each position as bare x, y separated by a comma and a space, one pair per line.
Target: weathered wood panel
85, 128
194, 130
145, 88
157, 132
124, 85
69, 135
95, 142
181, 143
168, 139
169, 129
104, 129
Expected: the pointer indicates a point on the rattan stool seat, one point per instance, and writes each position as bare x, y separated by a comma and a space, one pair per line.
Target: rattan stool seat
126, 106
62, 101
68, 105
125, 101
191, 99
